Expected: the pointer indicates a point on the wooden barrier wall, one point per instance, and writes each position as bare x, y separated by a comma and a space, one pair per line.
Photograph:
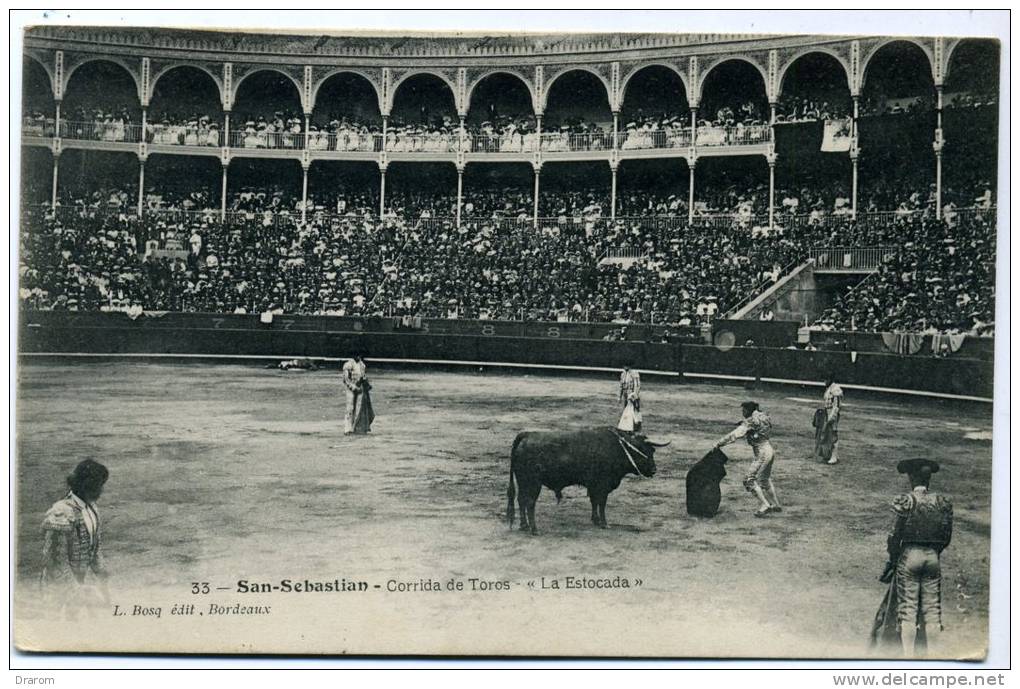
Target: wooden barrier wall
532, 344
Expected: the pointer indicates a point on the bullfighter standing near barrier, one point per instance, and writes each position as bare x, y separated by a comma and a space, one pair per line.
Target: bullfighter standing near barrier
833, 399
359, 414
757, 429
630, 398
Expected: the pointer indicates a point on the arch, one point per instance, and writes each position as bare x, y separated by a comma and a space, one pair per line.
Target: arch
438, 75
520, 77
36, 86
112, 59
317, 86
46, 69
640, 68
298, 86
577, 68
951, 51
723, 59
177, 65
866, 60
808, 51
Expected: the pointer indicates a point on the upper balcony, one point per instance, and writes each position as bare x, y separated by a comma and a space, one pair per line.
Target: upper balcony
354, 145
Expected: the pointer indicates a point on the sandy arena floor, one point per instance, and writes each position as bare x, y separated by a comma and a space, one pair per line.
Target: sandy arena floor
227, 472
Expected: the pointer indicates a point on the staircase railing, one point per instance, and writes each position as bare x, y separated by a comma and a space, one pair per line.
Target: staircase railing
757, 290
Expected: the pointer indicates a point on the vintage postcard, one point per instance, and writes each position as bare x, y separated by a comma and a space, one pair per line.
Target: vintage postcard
630, 345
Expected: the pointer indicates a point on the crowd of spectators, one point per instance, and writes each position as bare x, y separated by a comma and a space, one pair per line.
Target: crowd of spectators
88, 257
744, 202
95, 255
503, 134
282, 129
879, 105
664, 130
169, 129
37, 123
794, 108
99, 124
939, 279
971, 99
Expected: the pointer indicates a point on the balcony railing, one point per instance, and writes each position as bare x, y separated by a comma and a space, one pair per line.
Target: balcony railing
172, 135
850, 259
550, 142
348, 141
565, 142
113, 132
251, 138
496, 143
31, 126
641, 139
624, 253
736, 135
422, 143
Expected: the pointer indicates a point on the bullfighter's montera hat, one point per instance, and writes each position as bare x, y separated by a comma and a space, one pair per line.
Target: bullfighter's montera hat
912, 466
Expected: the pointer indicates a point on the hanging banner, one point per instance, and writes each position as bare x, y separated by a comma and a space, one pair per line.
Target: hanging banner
836, 137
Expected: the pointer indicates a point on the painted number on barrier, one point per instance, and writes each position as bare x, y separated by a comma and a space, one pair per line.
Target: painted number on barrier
552, 332
488, 330
287, 324
424, 327
217, 322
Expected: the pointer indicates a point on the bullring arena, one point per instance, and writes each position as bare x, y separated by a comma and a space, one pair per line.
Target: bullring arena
252, 469
500, 225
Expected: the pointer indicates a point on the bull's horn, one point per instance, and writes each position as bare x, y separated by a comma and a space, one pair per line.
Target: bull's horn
658, 444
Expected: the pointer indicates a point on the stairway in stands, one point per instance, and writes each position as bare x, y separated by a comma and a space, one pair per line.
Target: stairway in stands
807, 289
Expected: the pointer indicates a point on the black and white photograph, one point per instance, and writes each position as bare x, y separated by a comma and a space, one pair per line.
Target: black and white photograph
659, 344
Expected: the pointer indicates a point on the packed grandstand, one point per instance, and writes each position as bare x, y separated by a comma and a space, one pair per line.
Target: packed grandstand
497, 202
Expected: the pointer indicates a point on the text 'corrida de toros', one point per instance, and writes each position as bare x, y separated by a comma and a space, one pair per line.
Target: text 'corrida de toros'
302, 586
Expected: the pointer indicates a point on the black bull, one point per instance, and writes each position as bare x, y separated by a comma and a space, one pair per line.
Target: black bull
597, 459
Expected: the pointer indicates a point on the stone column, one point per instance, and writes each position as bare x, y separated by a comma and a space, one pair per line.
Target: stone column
382, 190
616, 130
226, 129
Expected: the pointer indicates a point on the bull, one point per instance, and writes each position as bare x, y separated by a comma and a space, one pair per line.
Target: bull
597, 459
